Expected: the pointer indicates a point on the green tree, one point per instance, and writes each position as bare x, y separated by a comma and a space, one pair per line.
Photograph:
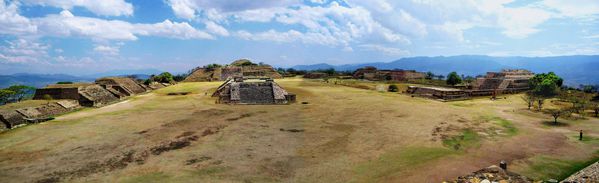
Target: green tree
5, 96
164, 77
429, 75
595, 107
393, 88
556, 113
453, 79
580, 100
21, 91
545, 86
180, 77
529, 98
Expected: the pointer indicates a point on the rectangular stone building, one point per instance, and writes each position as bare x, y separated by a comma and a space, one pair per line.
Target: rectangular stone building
121, 86
87, 94
506, 81
252, 91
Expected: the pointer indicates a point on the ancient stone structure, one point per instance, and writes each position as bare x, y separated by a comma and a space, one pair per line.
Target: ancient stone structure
492, 174
494, 83
316, 75
444, 94
11, 118
239, 68
373, 74
252, 91
588, 174
156, 85
22, 116
506, 81
121, 86
87, 94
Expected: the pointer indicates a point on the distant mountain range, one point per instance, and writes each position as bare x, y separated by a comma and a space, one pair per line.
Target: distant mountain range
574, 69
41, 80
38, 80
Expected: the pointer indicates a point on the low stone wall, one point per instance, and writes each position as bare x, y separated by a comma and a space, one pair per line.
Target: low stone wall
12, 118
589, 174
492, 174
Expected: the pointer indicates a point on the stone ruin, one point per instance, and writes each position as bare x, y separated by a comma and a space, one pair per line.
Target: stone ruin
17, 117
241, 90
373, 74
491, 174
506, 81
72, 96
588, 174
87, 94
121, 86
315, 75
440, 93
494, 83
239, 68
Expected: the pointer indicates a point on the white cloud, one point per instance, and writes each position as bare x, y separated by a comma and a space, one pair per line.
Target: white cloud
99, 7
384, 49
13, 23
596, 36
521, 22
23, 51
178, 30
107, 50
66, 24
216, 29
573, 8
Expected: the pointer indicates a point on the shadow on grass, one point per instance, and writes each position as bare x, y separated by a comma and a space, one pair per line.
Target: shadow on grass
553, 123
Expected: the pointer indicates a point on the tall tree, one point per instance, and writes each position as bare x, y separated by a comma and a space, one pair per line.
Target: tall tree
429, 75
556, 113
5, 96
164, 77
545, 85
21, 91
453, 79
529, 98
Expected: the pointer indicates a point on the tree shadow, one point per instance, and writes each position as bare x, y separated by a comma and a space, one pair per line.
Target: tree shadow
552, 123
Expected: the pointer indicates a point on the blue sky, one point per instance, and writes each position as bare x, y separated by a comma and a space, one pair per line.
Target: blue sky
88, 36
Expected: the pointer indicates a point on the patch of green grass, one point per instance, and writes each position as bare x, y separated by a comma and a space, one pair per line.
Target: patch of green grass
468, 138
462, 104
394, 162
150, 177
508, 126
210, 171
586, 139
545, 168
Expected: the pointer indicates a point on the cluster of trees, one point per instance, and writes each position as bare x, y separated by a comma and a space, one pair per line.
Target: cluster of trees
431, 75
548, 85
16, 93
165, 77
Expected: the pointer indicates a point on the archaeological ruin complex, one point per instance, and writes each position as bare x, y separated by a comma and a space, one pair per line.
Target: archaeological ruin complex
241, 90
494, 83
63, 98
373, 74
239, 68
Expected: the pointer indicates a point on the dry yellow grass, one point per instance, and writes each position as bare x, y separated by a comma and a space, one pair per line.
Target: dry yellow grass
349, 135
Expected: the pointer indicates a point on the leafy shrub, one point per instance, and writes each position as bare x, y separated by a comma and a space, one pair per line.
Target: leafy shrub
393, 88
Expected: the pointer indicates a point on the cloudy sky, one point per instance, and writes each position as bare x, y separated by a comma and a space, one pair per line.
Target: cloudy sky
88, 36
